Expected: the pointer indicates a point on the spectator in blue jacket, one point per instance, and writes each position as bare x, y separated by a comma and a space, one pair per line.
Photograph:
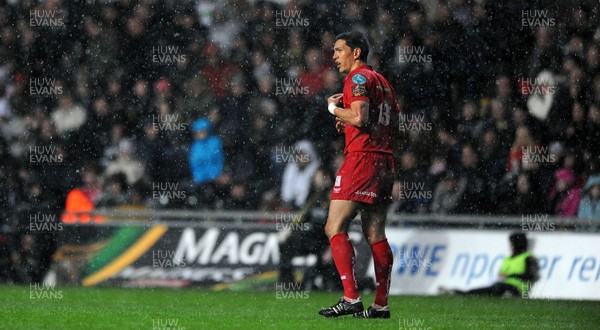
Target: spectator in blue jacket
206, 154
589, 207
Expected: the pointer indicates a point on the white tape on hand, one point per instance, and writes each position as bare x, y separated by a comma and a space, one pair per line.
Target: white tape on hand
331, 108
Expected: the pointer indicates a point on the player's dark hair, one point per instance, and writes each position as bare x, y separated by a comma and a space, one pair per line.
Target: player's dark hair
519, 242
355, 39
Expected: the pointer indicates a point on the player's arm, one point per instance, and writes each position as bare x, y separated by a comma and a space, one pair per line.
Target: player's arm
357, 115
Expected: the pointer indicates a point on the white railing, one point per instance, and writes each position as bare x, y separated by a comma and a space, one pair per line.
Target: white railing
224, 219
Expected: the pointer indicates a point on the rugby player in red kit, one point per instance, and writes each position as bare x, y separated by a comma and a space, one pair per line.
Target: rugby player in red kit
365, 113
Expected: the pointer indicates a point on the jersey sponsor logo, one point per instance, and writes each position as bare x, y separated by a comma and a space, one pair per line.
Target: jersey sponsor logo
365, 193
338, 180
359, 90
359, 79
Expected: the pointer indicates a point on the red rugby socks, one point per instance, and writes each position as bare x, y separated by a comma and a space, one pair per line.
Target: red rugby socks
383, 260
343, 256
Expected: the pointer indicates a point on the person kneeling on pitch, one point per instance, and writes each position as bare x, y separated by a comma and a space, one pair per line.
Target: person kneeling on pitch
365, 112
517, 273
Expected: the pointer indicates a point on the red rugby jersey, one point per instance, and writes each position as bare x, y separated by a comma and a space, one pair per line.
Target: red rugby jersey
364, 84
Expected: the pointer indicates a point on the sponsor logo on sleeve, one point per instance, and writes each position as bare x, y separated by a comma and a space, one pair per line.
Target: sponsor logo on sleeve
359, 79
359, 90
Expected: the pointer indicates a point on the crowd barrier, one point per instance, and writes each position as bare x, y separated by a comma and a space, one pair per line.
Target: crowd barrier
178, 248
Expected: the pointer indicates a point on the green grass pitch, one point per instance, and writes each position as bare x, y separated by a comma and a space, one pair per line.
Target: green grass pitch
117, 308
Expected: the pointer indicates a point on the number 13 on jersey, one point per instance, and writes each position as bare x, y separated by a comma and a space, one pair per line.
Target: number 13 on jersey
384, 113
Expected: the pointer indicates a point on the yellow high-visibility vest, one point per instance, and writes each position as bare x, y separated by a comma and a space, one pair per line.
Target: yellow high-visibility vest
515, 265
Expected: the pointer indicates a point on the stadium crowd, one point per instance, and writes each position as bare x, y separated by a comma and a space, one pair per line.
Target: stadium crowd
221, 105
